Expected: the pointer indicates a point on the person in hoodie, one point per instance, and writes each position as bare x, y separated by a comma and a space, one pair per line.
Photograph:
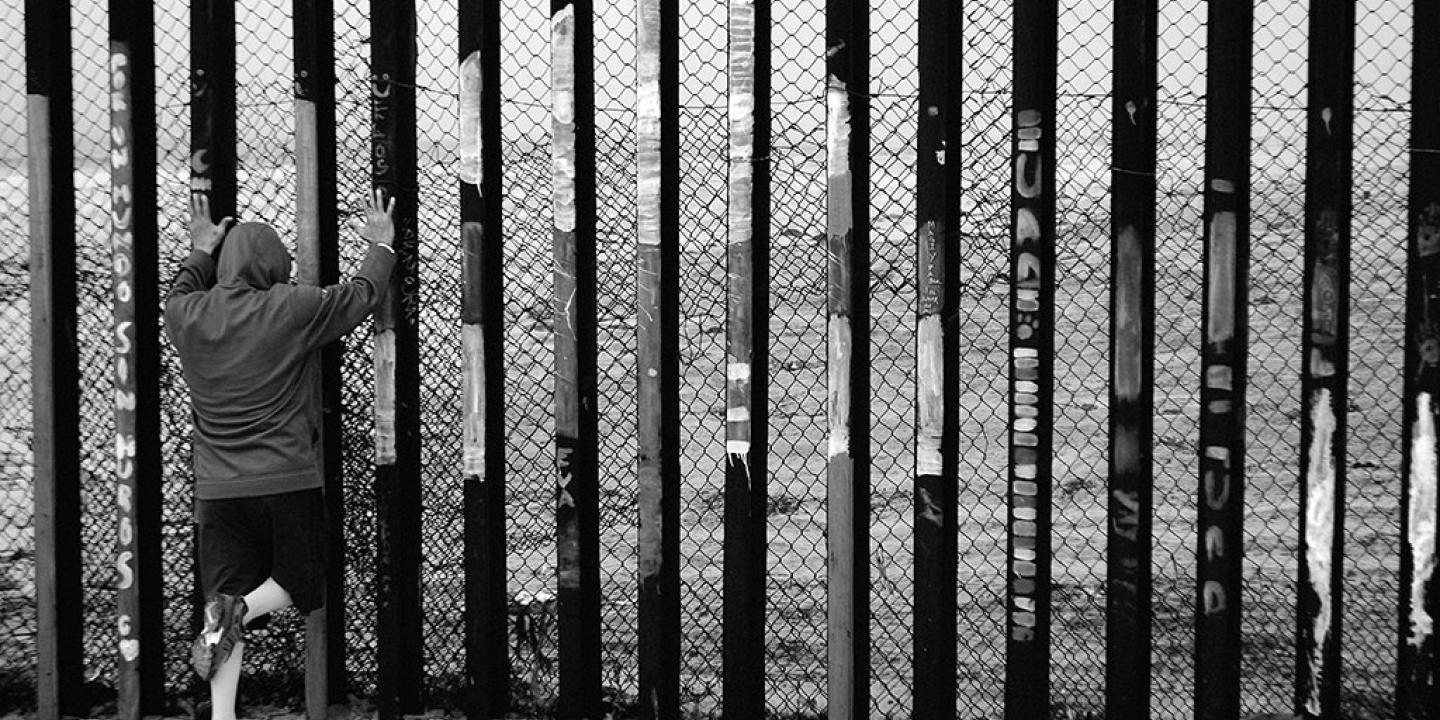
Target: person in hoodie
247, 339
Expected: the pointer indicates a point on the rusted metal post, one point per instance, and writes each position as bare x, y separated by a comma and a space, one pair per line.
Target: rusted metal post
1325, 356
577, 514
140, 672
55, 375
1417, 691
399, 640
1224, 339
1132, 367
747, 359
657, 355
487, 652
937, 352
847, 42
1032, 345
317, 263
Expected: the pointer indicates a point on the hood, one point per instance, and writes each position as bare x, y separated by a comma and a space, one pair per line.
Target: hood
253, 255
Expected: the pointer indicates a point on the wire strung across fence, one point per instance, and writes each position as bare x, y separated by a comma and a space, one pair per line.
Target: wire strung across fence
795, 631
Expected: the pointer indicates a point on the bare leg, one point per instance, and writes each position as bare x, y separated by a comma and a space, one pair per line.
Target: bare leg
265, 599
224, 686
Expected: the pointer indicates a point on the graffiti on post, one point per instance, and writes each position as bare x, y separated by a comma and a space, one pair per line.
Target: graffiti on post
122, 248
1025, 411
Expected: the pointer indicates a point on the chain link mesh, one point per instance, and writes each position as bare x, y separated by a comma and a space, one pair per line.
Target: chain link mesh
17, 461
796, 585
1272, 460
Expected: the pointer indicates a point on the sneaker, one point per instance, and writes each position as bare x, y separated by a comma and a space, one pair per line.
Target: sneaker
224, 626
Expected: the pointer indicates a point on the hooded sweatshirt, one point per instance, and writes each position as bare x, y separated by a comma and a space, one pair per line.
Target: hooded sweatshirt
245, 345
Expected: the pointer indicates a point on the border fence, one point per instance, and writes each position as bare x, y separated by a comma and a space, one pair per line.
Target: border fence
821, 359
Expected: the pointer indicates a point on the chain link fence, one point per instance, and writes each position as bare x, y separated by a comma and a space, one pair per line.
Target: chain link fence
17, 462
796, 586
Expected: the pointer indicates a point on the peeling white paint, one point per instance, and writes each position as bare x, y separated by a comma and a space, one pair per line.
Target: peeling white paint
384, 355
738, 413
1319, 531
737, 372
1128, 311
839, 380
742, 117
647, 123
930, 389
1221, 322
737, 447
837, 137
473, 391
470, 136
1421, 520
562, 108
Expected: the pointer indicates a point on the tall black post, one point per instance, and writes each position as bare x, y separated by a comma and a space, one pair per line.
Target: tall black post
55, 374
937, 380
747, 358
487, 653
1132, 365
1325, 356
657, 356
399, 640
1417, 691
317, 260
1032, 364
847, 96
212, 155
135, 246
1220, 514
577, 513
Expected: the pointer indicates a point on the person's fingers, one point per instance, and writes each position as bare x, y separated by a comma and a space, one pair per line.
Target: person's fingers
390, 208
226, 223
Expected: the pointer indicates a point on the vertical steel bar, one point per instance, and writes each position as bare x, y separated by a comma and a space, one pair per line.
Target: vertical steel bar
657, 355
1224, 323
487, 655
937, 352
1132, 352
747, 359
399, 640
212, 103
317, 263
577, 515
55, 378
1417, 692
140, 588
1325, 356
212, 147
847, 42
1032, 343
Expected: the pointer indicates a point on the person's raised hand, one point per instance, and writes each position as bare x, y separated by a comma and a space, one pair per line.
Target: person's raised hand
206, 234
379, 224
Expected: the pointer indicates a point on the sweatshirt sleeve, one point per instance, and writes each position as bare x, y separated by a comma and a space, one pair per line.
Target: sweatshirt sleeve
196, 275
336, 309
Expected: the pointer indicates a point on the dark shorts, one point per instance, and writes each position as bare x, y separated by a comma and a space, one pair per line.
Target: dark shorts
243, 541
